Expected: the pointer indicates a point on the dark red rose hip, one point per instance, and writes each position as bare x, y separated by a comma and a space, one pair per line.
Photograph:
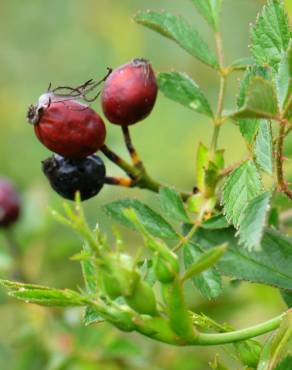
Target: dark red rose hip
66, 126
129, 93
9, 203
67, 176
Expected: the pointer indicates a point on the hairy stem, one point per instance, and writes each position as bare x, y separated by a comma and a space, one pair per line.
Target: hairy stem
282, 183
217, 120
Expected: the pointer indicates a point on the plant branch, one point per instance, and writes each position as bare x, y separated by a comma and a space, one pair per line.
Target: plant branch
138, 175
131, 149
15, 253
282, 183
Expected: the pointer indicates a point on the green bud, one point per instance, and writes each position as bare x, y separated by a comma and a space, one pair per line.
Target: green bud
111, 286
165, 270
142, 299
195, 203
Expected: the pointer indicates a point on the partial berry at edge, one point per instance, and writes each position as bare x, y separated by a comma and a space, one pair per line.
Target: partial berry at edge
129, 93
66, 126
9, 204
67, 176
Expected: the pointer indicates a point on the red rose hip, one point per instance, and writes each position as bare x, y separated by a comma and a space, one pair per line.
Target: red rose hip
9, 204
66, 126
129, 93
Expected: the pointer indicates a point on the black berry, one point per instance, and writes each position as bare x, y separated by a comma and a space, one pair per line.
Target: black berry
67, 176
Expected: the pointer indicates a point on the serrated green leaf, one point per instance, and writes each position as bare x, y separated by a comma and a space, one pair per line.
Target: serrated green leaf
91, 316
241, 186
178, 30
249, 127
264, 147
272, 265
172, 204
242, 64
286, 364
42, 295
271, 34
284, 77
261, 101
210, 10
253, 221
208, 282
155, 224
182, 89
89, 271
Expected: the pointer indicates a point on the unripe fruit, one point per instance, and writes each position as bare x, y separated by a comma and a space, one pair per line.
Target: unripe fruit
129, 93
66, 126
9, 203
67, 176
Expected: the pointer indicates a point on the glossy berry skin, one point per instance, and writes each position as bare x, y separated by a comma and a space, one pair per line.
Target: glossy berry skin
66, 126
129, 93
67, 176
9, 204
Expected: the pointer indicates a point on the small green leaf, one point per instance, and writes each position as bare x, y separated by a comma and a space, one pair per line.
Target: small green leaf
172, 204
209, 281
210, 10
89, 270
284, 77
241, 64
91, 316
215, 223
152, 221
42, 295
261, 101
272, 265
271, 34
205, 261
253, 221
264, 147
182, 89
241, 186
178, 30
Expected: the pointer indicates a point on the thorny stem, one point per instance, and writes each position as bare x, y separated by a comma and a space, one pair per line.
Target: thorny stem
283, 185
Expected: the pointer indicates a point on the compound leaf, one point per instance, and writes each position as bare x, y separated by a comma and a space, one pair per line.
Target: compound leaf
271, 34
264, 147
172, 204
178, 30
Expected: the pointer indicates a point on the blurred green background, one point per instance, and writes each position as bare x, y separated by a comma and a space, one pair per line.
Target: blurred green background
68, 42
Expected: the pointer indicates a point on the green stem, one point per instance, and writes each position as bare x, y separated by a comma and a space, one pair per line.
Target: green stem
16, 254
239, 335
140, 178
283, 186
